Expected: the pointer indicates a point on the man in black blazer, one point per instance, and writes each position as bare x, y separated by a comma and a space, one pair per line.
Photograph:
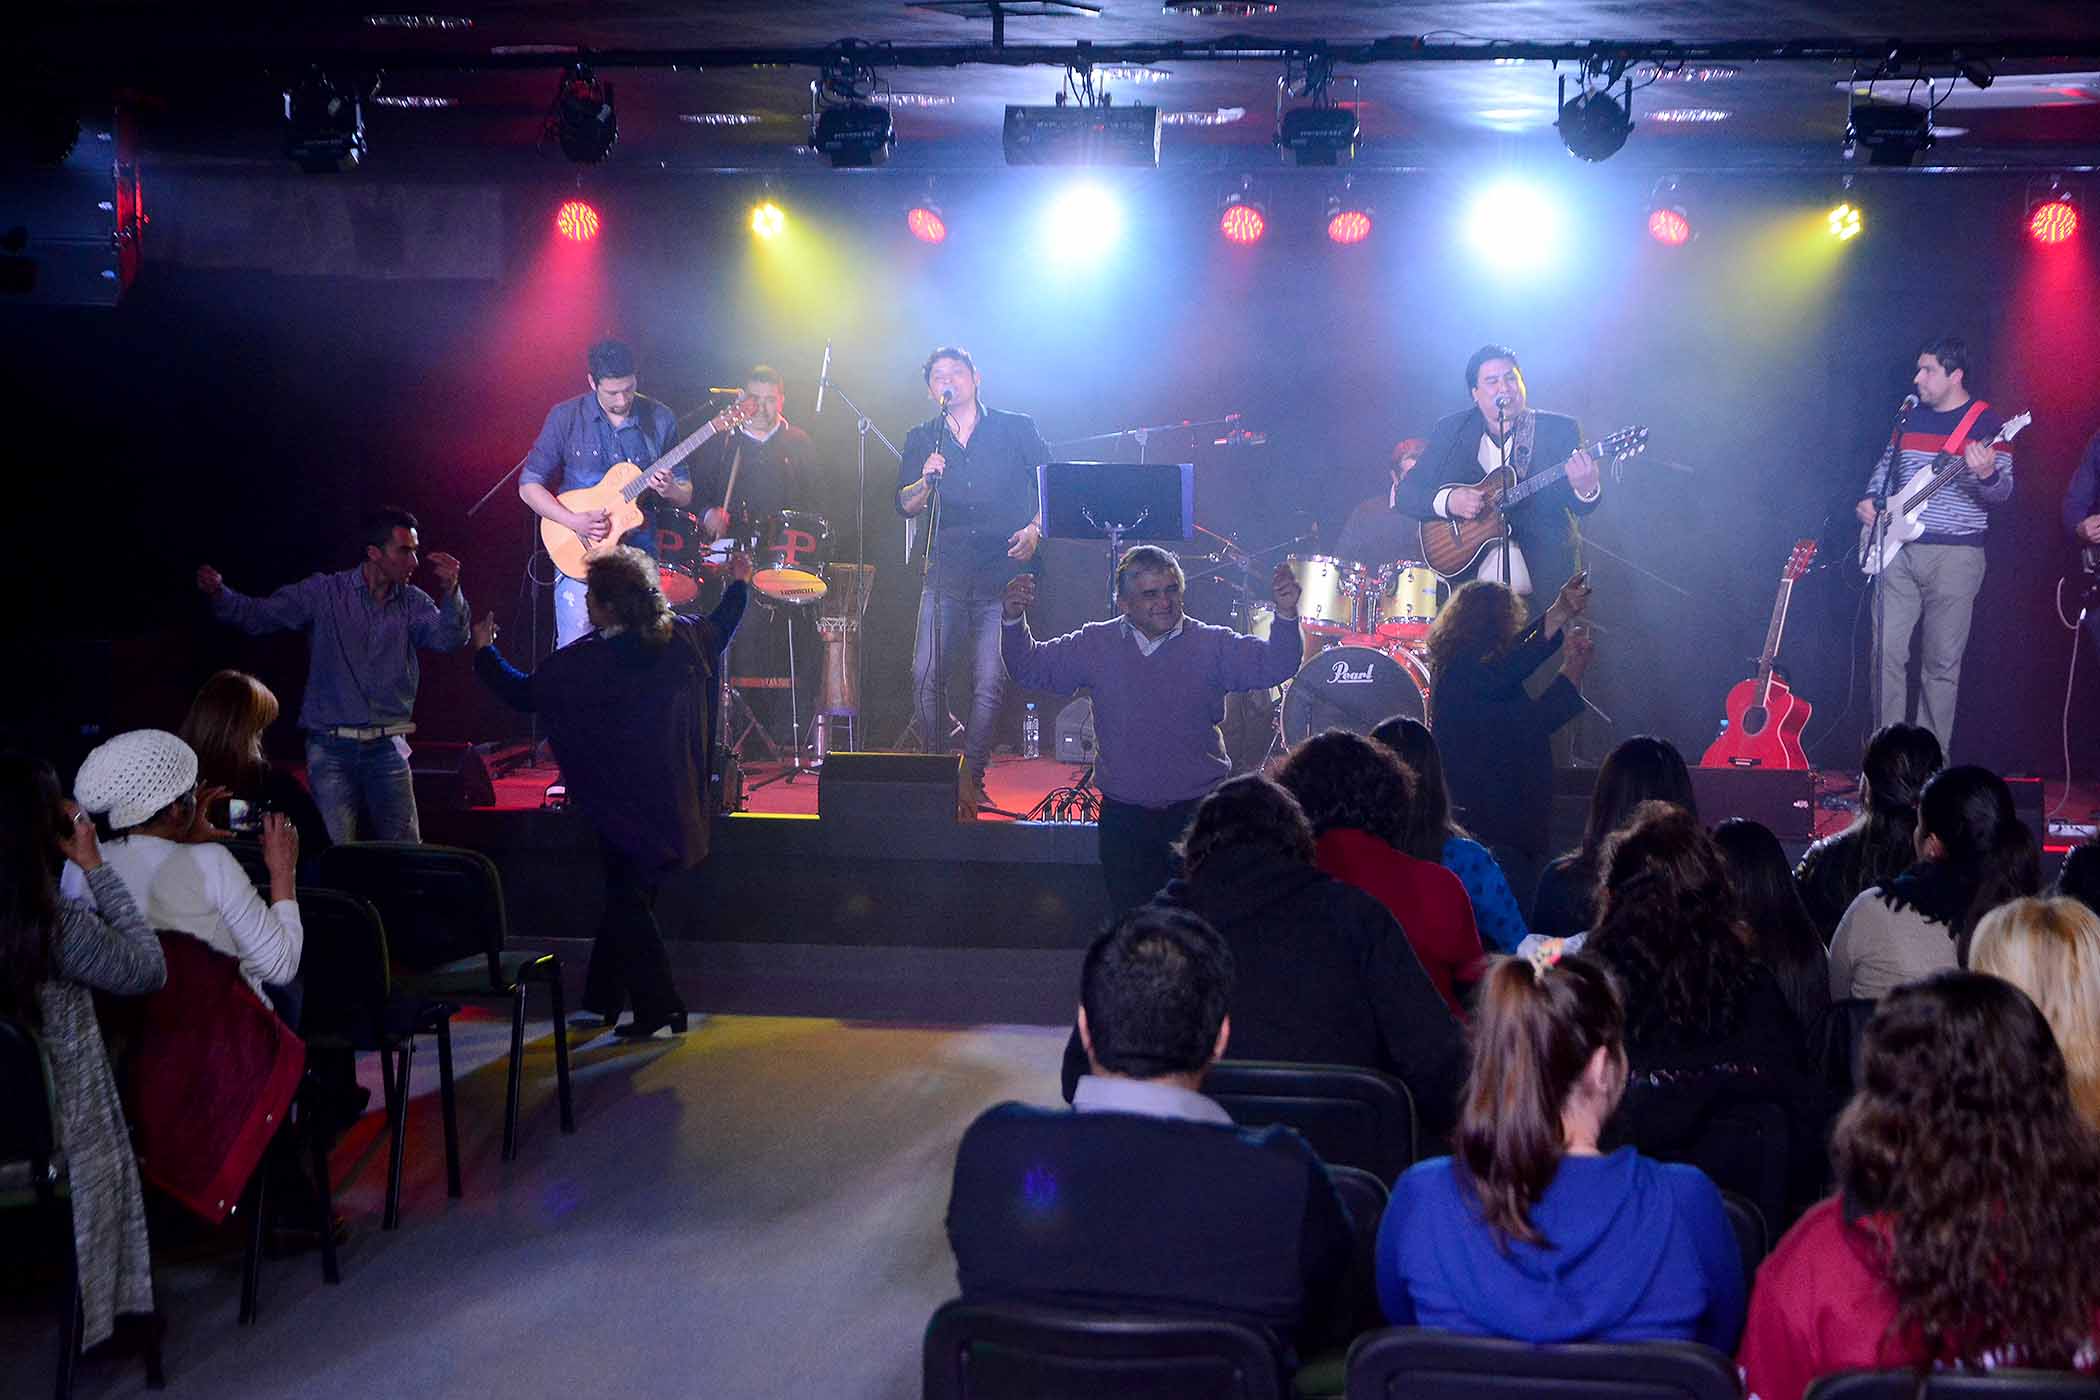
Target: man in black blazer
1465, 445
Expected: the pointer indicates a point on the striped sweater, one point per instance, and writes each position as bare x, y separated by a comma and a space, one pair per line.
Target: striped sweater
1958, 514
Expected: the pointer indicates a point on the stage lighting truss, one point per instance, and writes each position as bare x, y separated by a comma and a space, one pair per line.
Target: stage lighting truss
2052, 213
1668, 223
324, 121
1592, 124
1242, 219
1319, 132
1348, 216
849, 111
583, 119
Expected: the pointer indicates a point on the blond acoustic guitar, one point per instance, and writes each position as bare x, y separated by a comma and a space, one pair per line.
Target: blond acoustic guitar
616, 493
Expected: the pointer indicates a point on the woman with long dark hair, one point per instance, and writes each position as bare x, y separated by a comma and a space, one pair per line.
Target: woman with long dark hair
54, 954
1973, 853
1532, 1230
1434, 834
1881, 842
1496, 737
225, 726
1966, 1226
1780, 933
1642, 769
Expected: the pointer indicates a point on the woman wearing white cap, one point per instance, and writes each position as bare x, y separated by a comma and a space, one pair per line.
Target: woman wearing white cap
144, 784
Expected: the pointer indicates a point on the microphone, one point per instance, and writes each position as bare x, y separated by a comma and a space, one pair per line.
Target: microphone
1910, 401
823, 375
947, 396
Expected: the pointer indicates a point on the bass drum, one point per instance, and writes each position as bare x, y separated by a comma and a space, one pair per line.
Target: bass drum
1354, 688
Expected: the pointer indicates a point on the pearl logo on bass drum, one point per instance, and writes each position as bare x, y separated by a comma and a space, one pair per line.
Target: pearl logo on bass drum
1342, 675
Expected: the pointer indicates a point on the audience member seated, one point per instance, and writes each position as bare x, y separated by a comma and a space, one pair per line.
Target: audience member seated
1642, 769
1707, 1026
1881, 842
1966, 1226
1145, 1197
1356, 794
1532, 1231
1972, 854
54, 953
2080, 876
2050, 949
225, 726
1432, 834
1325, 974
144, 784
1782, 937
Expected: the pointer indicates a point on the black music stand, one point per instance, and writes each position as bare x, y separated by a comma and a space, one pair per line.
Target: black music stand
1111, 500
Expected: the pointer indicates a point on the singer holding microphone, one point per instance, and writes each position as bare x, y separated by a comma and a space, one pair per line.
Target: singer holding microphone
1465, 446
968, 476
1932, 583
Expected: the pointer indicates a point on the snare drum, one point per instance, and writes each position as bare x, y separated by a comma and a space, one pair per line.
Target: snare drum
1327, 592
793, 548
1403, 605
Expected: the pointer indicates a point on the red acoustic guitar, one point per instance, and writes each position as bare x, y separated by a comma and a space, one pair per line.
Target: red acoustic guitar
1765, 718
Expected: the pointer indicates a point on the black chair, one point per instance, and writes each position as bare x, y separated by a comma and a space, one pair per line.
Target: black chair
445, 920
29, 1141
1364, 1197
1752, 1239
1837, 1036
1416, 1363
353, 1003
2006, 1384
1745, 1148
1352, 1117
1021, 1351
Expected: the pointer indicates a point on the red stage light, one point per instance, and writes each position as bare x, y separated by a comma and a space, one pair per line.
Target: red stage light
1242, 223
577, 221
2053, 222
1348, 226
1669, 227
926, 224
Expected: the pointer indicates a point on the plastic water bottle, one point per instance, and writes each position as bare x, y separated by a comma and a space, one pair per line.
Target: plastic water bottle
1031, 733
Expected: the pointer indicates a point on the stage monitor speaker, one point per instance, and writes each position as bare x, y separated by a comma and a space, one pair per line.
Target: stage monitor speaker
1075, 733
2027, 804
449, 777
890, 789
1780, 798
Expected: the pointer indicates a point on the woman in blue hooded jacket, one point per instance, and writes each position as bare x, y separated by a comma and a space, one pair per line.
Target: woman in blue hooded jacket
1530, 1231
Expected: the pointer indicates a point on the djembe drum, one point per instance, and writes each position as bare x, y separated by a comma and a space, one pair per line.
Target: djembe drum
838, 627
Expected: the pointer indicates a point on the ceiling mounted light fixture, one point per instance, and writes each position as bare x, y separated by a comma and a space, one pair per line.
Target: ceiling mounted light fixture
324, 121
1321, 132
583, 120
846, 125
1592, 125
1894, 133
1668, 223
1348, 216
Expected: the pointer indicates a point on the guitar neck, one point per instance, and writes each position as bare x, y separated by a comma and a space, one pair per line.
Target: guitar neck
671, 458
1538, 481
1772, 635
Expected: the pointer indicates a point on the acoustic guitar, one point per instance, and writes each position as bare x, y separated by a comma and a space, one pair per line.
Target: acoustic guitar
1453, 546
1765, 717
616, 492
1880, 542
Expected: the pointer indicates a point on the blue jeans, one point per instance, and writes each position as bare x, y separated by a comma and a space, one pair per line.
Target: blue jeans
968, 631
363, 788
571, 620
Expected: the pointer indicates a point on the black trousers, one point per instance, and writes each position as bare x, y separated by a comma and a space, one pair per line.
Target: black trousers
1137, 849
629, 963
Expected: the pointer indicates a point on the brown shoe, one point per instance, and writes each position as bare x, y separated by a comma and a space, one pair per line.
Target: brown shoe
970, 797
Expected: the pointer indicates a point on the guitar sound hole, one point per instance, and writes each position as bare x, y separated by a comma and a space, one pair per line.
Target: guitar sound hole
1754, 719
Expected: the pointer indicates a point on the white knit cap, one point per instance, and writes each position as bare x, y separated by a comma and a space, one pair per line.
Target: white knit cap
135, 775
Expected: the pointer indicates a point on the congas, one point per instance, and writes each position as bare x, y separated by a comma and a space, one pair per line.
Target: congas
1354, 688
1403, 603
793, 546
1327, 592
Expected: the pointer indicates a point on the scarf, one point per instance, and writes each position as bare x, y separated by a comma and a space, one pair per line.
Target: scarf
1939, 890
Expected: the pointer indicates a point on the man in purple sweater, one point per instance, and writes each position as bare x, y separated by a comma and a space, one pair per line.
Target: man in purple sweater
1159, 679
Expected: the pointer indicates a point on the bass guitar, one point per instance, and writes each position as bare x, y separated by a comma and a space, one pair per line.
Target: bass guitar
615, 493
1880, 542
1453, 546
1765, 717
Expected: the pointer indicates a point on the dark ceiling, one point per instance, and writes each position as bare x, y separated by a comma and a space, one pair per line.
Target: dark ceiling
208, 83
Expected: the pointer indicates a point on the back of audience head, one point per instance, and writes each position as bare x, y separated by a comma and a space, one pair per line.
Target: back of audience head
2050, 949
1429, 823
1669, 925
1549, 1063
144, 780
1346, 781
1962, 1136
1642, 769
1774, 918
2080, 877
1899, 761
32, 821
1152, 996
225, 726
1247, 811
1966, 819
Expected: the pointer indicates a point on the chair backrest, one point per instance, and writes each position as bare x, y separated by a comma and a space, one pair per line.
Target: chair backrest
1753, 1239
2003, 1384
1364, 1198
1352, 1117
1744, 1148
344, 968
1837, 1037
1415, 1363
440, 903
1023, 1351
27, 1108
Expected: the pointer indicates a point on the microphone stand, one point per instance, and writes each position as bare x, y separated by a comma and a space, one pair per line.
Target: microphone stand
1877, 538
1143, 435
532, 601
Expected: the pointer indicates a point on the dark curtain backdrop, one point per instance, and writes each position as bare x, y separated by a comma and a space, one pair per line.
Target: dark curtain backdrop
239, 411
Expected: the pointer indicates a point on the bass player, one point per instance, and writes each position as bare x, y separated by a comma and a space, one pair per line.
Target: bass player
1501, 425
